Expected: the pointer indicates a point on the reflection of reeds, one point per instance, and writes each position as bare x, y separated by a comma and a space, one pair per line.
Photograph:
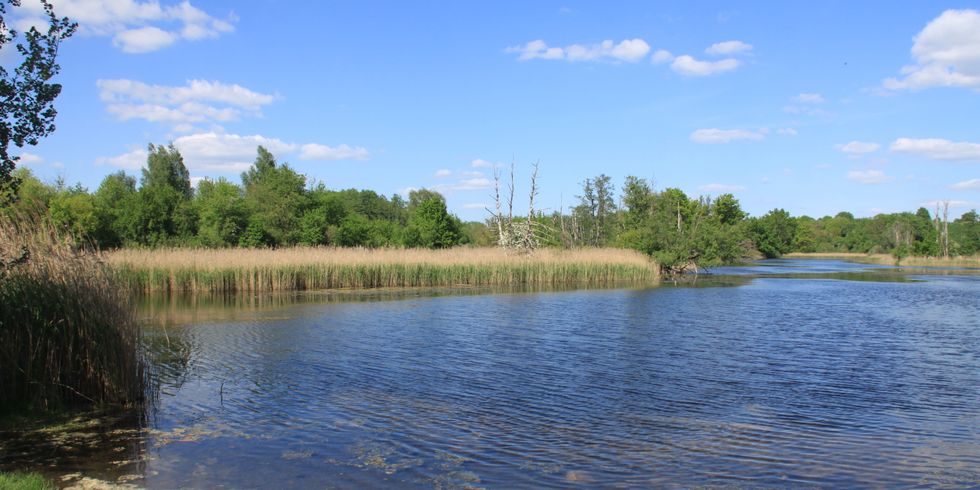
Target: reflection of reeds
885, 259
68, 334
327, 268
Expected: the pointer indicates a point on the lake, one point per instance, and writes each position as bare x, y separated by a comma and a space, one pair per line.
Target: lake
789, 373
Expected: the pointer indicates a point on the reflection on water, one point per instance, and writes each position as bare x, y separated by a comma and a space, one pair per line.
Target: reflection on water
800, 373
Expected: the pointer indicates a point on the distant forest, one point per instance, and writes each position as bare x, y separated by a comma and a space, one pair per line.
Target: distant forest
274, 206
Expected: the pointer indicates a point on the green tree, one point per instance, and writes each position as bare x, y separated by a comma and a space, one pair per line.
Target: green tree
637, 199
26, 97
774, 233
431, 226
165, 192
117, 204
222, 214
276, 196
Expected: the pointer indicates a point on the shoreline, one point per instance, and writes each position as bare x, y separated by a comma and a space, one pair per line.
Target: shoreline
886, 259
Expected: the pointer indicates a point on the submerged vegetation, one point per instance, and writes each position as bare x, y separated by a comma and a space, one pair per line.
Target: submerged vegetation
171, 270
68, 333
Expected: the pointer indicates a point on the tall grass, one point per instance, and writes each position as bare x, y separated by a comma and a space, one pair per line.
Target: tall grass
302, 268
68, 333
886, 259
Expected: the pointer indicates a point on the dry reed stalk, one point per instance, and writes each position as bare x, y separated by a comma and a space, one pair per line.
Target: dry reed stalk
224, 270
68, 333
886, 259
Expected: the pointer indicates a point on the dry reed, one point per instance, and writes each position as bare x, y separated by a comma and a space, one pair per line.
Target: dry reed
303, 268
68, 333
886, 259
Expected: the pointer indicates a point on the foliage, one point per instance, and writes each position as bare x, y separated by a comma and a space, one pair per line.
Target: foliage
431, 226
26, 97
276, 196
774, 233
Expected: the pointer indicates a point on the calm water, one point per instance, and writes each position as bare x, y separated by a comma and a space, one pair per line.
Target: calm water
784, 373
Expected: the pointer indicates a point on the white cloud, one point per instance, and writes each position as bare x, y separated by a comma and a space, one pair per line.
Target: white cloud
30, 159
133, 160
721, 188
937, 149
197, 101
804, 110
858, 148
475, 205
809, 98
662, 56
631, 50
714, 135
946, 53
469, 184
222, 152
136, 26
788, 131
315, 151
687, 65
143, 39
868, 176
443, 173
966, 184
481, 163
728, 47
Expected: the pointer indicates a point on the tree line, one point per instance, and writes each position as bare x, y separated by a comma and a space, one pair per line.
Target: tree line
276, 206
273, 206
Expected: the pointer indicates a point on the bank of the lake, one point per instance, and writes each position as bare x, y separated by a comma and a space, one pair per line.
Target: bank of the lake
887, 259
311, 268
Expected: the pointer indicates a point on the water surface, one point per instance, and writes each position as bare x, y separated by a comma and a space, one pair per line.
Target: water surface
781, 374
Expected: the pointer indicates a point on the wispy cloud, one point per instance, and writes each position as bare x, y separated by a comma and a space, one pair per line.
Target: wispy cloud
30, 159
716, 136
809, 98
232, 153
721, 188
198, 101
937, 149
966, 184
316, 151
629, 50
858, 148
481, 163
869, 176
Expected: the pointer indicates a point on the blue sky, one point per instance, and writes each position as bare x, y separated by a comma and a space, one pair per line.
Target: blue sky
860, 106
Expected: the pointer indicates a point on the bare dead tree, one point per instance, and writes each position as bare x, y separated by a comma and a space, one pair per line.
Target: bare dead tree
946, 229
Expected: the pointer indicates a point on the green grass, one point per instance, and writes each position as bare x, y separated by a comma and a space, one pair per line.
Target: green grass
24, 481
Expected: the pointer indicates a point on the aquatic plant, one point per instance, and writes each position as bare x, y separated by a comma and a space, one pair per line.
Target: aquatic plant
302, 268
24, 481
68, 333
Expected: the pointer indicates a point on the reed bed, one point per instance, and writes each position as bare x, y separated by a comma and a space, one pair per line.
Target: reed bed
307, 268
68, 333
886, 259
